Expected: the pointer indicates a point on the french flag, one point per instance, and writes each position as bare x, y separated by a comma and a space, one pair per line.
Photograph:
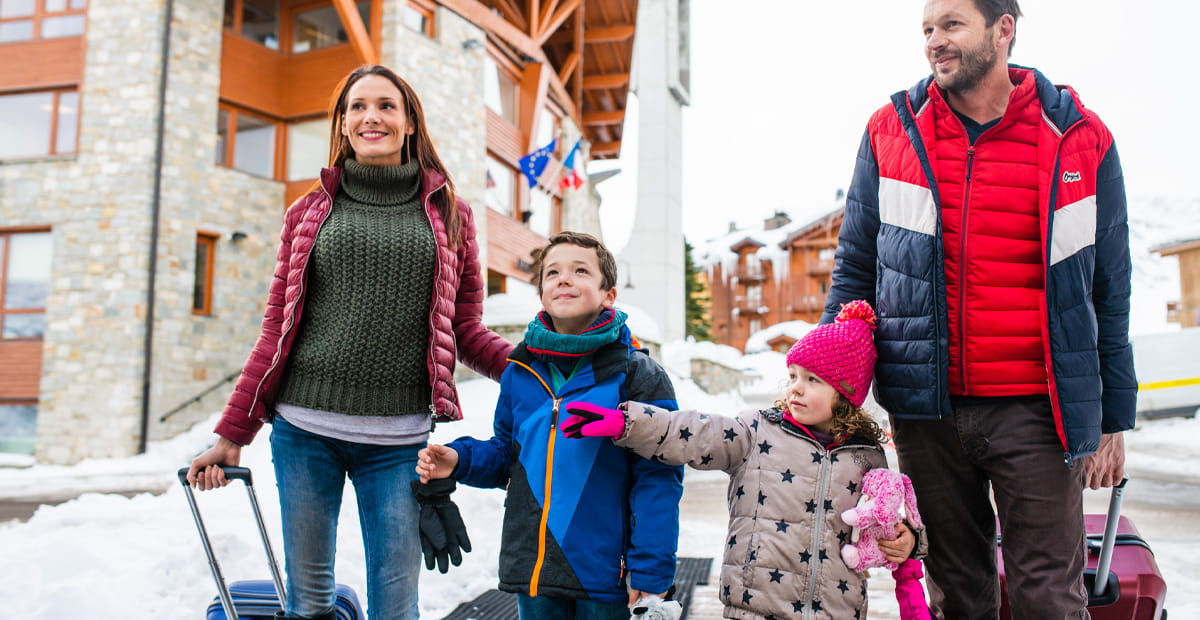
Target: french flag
574, 175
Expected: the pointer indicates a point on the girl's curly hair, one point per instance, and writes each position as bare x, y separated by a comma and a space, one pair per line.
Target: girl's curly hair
850, 421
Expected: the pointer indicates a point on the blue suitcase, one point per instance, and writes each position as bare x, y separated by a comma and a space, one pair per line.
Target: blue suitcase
256, 598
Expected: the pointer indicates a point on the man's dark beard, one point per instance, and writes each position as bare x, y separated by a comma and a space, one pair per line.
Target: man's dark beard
973, 65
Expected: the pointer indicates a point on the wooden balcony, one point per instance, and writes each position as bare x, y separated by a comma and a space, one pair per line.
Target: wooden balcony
807, 303
820, 266
747, 274
749, 305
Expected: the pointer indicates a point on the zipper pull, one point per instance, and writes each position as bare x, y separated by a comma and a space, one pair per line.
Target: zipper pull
554, 414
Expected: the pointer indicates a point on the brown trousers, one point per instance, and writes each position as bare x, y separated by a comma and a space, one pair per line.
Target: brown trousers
1009, 447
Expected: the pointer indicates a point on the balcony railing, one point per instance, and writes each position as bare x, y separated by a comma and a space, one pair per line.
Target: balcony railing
820, 266
750, 305
808, 303
749, 274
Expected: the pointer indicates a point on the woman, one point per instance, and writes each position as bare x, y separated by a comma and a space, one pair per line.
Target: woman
356, 355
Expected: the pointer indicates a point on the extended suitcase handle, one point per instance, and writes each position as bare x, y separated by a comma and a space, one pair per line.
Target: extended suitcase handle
243, 474
231, 473
1109, 540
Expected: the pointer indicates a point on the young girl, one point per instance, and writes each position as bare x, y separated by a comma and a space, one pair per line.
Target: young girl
793, 470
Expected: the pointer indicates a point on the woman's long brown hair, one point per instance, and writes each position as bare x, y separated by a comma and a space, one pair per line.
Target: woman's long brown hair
418, 145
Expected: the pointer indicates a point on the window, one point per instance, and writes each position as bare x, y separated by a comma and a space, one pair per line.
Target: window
755, 325
206, 252
38, 123
25, 20
418, 17
257, 20
18, 427
501, 187
245, 141
24, 283
321, 27
307, 148
500, 91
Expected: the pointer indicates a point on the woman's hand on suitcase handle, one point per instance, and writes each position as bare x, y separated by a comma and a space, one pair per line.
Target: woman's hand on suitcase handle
205, 473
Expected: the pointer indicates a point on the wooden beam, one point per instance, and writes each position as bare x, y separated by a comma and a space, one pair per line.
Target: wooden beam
605, 80
577, 45
480, 15
568, 67
606, 148
608, 34
360, 39
533, 11
512, 12
556, 19
535, 81
611, 117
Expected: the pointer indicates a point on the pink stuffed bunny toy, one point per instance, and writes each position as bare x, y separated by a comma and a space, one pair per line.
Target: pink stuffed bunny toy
876, 516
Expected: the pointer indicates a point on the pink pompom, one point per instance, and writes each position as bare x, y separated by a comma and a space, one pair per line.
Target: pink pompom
860, 310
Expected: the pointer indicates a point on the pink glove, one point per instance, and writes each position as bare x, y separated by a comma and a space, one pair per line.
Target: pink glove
588, 420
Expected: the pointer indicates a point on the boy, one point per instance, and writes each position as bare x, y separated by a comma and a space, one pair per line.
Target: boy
580, 516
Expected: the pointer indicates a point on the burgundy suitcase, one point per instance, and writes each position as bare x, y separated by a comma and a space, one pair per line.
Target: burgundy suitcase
1133, 589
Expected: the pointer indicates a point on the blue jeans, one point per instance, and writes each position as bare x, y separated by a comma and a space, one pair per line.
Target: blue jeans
311, 471
550, 608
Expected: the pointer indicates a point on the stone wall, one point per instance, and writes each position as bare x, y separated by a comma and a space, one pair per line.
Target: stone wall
716, 378
98, 204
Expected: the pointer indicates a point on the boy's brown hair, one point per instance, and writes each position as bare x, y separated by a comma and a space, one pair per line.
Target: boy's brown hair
608, 264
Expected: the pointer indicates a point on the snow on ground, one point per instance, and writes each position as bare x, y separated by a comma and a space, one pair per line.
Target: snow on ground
105, 555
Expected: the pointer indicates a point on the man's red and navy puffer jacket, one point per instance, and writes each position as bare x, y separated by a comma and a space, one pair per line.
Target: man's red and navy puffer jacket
892, 253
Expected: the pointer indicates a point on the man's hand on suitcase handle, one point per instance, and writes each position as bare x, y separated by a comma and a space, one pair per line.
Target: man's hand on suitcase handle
443, 533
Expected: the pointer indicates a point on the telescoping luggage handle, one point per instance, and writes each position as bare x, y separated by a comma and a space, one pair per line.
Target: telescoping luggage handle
1110, 539
243, 474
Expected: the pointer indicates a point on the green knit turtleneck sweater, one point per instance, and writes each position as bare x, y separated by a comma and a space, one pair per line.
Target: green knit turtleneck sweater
364, 335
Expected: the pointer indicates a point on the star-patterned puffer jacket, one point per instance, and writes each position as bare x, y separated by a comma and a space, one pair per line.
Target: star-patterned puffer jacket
786, 495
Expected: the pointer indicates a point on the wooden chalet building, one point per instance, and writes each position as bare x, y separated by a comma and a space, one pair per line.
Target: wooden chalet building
1185, 311
764, 276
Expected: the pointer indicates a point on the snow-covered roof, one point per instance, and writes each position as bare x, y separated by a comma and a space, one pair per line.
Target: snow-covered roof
760, 340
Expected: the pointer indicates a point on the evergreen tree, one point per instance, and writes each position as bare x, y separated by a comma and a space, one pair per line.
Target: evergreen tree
698, 322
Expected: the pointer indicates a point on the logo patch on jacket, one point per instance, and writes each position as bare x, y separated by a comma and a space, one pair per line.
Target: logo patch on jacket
1071, 177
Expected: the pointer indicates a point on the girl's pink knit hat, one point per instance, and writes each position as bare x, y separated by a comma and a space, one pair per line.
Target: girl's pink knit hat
841, 353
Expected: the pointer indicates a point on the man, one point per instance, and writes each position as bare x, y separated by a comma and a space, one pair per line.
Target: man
986, 223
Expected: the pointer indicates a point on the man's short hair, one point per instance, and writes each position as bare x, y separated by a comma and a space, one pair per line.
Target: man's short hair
608, 264
993, 9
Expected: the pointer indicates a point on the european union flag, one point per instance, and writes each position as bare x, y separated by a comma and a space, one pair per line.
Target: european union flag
534, 164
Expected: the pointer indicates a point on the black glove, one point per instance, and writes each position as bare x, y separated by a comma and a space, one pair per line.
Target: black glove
443, 534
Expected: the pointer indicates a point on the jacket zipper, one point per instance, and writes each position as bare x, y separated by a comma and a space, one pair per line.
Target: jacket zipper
962, 276
535, 578
1055, 407
431, 363
814, 568
291, 319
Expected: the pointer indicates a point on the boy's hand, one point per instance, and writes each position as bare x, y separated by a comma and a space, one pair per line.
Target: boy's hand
901, 548
588, 420
436, 461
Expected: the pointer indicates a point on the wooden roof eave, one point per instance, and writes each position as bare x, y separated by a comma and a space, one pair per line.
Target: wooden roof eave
497, 26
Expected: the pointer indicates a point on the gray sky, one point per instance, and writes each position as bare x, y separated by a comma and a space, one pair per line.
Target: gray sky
782, 89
